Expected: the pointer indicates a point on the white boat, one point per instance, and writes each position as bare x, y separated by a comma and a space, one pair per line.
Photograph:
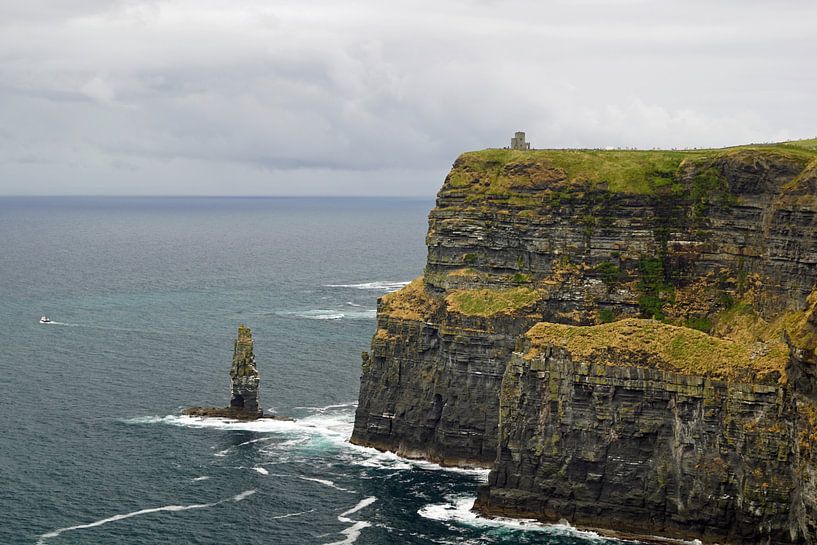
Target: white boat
45, 320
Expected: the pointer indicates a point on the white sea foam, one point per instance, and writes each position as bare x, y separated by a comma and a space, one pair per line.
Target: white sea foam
330, 426
325, 482
261, 470
244, 495
299, 513
380, 285
329, 407
331, 314
459, 511
357, 526
165, 508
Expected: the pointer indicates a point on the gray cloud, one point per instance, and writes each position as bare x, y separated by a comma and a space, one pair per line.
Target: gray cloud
253, 97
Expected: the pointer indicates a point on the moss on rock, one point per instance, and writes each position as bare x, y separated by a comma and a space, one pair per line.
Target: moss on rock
649, 343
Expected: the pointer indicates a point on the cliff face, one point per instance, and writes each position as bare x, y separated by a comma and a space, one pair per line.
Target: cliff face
622, 440
703, 429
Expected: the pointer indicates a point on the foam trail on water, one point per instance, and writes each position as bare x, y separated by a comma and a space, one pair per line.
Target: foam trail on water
293, 514
353, 532
325, 482
244, 495
170, 508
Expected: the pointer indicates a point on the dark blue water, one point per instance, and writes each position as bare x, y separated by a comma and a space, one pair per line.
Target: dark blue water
147, 295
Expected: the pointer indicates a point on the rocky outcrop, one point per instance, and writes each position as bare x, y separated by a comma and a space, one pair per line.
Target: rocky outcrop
626, 337
244, 384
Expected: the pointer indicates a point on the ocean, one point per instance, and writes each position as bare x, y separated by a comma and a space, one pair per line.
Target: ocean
146, 295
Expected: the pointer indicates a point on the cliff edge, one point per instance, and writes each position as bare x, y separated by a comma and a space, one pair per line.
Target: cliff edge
626, 338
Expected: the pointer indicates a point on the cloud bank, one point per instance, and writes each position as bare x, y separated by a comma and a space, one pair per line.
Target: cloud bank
252, 97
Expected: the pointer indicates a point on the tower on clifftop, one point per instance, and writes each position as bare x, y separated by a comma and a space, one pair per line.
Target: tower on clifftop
518, 141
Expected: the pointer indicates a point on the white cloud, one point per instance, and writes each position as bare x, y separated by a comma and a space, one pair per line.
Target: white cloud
218, 96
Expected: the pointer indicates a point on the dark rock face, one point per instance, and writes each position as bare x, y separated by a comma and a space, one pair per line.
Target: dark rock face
244, 375
611, 445
244, 383
431, 388
644, 451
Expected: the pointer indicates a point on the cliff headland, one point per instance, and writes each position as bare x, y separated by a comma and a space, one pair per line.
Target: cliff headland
626, 338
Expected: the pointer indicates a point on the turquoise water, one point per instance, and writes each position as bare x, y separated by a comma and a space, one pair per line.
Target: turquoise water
147, 295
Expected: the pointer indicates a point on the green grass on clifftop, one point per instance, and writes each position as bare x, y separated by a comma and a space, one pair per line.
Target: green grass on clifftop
640, 172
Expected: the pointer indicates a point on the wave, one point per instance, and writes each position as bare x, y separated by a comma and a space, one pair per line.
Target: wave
328, 407
329, 427
380, 285
459, 510
328, 314
357, 526
165, 508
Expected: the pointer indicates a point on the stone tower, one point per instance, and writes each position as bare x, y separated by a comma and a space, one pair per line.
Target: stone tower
518, 141
244, 375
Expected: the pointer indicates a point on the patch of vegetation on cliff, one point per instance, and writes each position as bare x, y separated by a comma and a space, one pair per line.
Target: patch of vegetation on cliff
412, 302
649, 343
653, 288
489, 302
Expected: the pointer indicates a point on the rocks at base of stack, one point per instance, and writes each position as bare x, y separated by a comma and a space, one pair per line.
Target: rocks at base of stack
245, 379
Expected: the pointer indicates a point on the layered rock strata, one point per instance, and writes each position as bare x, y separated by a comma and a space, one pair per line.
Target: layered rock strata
244, 383
691, 416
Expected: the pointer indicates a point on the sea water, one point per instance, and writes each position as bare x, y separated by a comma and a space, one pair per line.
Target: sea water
146, 295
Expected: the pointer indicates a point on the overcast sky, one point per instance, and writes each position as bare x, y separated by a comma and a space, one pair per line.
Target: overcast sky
378, 97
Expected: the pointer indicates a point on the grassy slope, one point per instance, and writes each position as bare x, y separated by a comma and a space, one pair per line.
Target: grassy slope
654, 344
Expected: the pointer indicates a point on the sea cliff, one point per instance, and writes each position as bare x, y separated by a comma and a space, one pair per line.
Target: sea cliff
626, 338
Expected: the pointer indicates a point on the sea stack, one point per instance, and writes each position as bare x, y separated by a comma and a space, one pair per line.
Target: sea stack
244, 383
244, 376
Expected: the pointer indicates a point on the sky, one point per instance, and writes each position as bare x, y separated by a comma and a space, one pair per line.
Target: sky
378, 97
